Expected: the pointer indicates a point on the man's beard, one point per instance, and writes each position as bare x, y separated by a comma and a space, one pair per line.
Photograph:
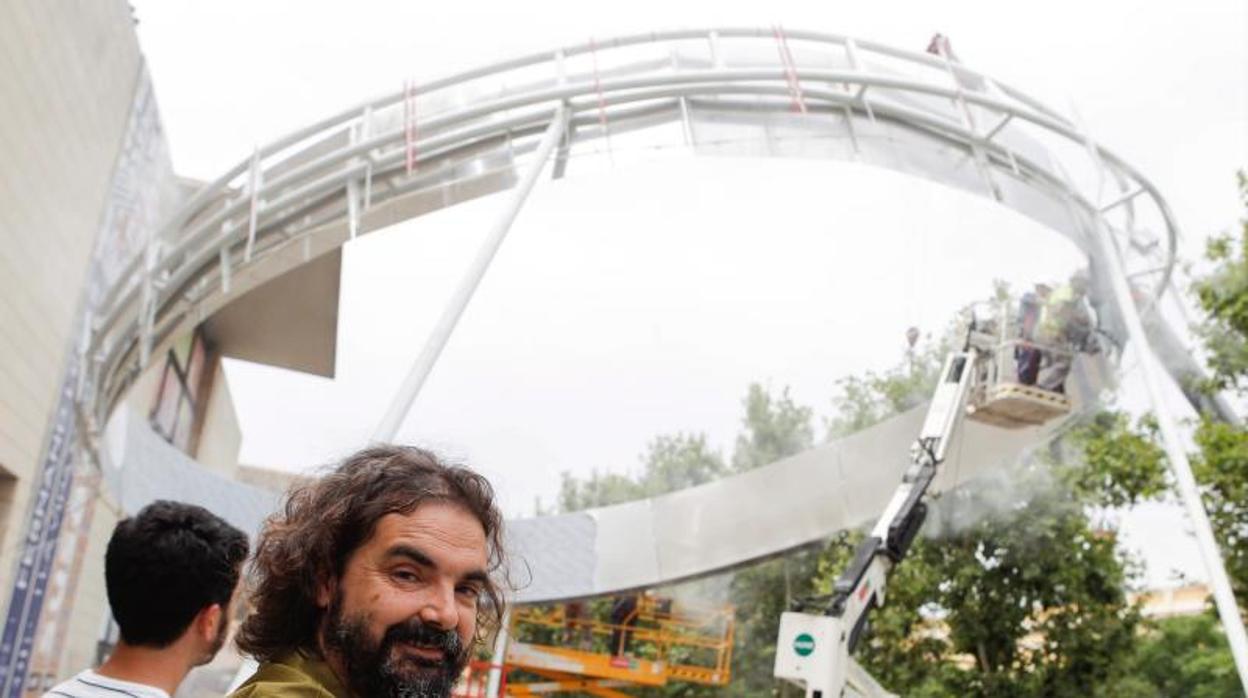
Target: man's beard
375, 670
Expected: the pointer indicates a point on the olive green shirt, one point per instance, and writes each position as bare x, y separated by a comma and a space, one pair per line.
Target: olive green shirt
296, 676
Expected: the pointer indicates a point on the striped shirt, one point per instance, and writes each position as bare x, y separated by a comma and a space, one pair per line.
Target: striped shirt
89, 684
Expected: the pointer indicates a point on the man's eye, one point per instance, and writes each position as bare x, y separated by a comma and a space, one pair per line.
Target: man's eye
406, 576
470, 591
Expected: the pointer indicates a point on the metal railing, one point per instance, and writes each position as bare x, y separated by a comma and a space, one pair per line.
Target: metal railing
362, 168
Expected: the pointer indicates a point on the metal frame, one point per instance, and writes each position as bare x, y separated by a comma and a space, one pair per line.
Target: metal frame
299, 196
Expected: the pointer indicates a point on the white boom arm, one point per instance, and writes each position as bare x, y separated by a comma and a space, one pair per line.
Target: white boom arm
815, 649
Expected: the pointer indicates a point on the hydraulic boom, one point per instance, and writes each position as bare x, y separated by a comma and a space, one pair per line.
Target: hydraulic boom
816, 649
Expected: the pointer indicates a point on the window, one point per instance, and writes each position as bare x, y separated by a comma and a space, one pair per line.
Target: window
183, 392
8, 487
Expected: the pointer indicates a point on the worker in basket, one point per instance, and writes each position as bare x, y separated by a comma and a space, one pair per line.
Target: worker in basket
1028, 354
1066, 326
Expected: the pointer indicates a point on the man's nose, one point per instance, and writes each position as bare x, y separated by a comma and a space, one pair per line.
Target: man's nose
438, 608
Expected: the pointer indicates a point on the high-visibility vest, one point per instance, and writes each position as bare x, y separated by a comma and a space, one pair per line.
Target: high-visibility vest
1063, 308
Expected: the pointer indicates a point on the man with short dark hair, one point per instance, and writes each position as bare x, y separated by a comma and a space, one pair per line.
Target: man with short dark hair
371, 581
171, 573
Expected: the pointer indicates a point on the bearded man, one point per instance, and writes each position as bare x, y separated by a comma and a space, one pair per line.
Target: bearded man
375, 581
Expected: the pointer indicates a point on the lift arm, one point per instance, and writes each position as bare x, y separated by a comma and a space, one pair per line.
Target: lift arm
816, 649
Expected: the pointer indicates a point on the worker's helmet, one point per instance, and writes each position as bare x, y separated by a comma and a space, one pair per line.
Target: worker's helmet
1079, 280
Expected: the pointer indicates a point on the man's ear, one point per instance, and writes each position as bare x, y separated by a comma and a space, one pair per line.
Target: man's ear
208, 622
325, 593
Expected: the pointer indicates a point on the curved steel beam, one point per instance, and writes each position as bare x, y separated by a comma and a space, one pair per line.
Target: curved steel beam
306, 185
231, 235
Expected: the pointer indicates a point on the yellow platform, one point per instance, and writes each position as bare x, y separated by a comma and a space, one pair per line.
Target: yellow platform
587, 664
575, 654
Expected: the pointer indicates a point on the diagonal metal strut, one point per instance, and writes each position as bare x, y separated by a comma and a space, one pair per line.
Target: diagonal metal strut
411, 386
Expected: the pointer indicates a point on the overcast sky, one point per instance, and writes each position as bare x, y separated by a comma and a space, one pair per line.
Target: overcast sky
644, 300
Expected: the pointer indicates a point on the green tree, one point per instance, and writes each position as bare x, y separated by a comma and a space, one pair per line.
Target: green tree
862, 401
671, 462
1185, 656
1223, 296
1221, 469
1221, 465
1109, 462
599, 489
773, 428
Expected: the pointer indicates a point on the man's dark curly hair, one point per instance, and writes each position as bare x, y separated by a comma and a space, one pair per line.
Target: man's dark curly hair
325, 520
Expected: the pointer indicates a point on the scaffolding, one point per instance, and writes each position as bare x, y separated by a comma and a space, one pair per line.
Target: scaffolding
646, 641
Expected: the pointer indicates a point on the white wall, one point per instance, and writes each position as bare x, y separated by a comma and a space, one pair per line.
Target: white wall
220, 436
68, 71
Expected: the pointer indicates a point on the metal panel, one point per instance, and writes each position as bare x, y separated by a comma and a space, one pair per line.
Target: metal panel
148, 468
291, 321
793, 502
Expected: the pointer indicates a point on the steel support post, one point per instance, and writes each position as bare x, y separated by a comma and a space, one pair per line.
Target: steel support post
411, 386
1185, 482
494, 681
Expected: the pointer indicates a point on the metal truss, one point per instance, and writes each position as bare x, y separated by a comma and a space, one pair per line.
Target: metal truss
432, 145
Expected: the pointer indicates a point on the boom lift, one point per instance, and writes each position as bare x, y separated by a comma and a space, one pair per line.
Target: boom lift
816, 649
656, 640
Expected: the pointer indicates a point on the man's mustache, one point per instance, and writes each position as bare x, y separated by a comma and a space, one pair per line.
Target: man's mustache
415, 632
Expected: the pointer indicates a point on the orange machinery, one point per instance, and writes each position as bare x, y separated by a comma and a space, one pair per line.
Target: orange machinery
571, 649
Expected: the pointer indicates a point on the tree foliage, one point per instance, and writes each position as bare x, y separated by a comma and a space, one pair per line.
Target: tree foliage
1221, 465
1221, 469
1110, 462
671, 462
862, 401
772, 428
1184, 656
1223, 296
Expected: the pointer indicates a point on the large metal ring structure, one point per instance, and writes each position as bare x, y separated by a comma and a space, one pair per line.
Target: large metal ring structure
731, 91
737, 92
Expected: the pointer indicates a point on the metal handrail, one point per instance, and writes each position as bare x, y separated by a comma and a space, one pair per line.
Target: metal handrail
156, 289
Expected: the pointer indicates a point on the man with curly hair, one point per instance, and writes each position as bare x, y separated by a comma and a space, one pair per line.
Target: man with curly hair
374, 581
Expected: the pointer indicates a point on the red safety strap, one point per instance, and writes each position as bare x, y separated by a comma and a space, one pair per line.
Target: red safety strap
409, 123
790, 70
602, 101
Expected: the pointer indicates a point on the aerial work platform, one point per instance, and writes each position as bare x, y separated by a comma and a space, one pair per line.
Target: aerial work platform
1013, 406
815, 647
998, 395
647, 641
